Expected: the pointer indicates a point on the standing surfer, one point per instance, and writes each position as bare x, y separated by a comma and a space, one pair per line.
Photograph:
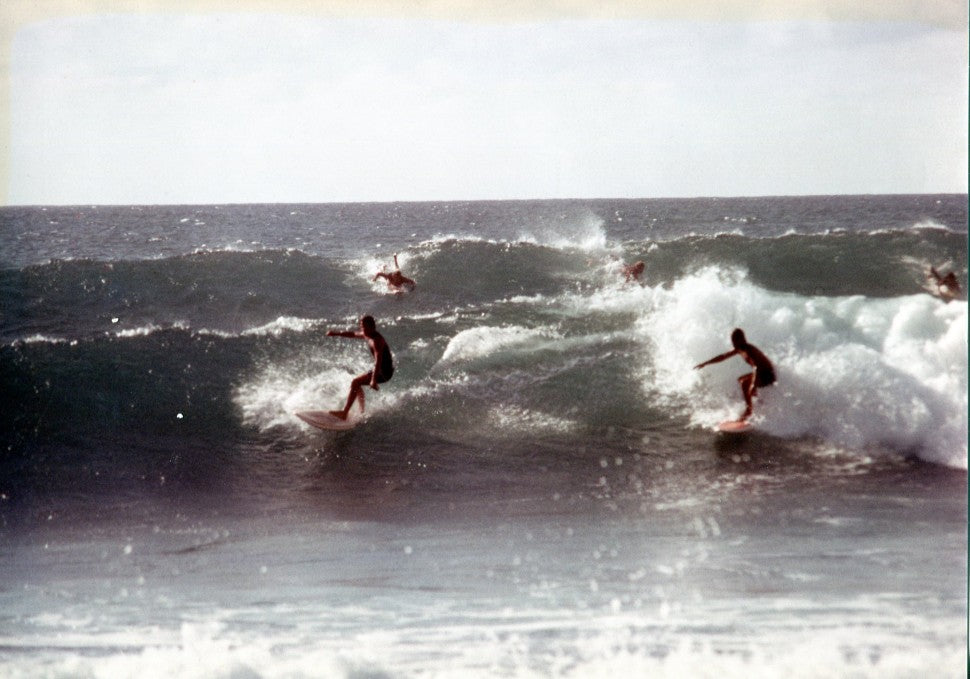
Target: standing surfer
383, 363
762, 376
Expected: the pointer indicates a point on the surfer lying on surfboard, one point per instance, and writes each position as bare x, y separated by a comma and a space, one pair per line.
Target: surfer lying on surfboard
762, 376
383, 363
396, 280
947, 286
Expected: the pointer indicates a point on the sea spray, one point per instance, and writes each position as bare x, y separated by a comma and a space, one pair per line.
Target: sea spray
856, 372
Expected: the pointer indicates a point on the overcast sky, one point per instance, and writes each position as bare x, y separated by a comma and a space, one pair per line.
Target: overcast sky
244, 108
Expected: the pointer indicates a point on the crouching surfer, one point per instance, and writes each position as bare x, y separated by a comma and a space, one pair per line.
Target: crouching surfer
762, 376
383, 363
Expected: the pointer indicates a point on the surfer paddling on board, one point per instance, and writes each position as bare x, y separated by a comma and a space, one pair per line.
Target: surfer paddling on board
383, 363
396, 280
947, 285
762, 376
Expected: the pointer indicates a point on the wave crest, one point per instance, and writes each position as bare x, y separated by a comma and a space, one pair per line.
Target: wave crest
854, 371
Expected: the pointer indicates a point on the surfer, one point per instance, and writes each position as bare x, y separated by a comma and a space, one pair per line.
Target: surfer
632, 271
395, 279
947, 285
762, 376
383, 363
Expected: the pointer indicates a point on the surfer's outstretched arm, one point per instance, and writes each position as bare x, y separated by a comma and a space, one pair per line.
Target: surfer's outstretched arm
349, 334
717, 359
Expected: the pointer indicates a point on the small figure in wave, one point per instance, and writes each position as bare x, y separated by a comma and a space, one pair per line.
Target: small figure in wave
632, 272
383, 363
762, 375
947, 286
396, 281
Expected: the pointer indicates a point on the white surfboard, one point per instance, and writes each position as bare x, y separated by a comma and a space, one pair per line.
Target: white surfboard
734, 427
321, 419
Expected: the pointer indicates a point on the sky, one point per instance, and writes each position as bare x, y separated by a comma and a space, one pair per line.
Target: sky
254, 106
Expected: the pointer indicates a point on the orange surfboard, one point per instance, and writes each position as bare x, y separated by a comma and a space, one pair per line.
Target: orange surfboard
321, 419
735, 427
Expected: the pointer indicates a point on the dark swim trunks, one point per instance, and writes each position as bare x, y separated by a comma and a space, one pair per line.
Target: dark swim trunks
764, 377
387, 366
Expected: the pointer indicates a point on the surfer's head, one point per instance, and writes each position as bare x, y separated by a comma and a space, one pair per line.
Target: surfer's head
738, 339
367, 324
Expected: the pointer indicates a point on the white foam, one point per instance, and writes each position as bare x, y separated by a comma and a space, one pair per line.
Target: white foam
127, 333
479, 342
144, 331
284, 324
274, 328
583, 231
273, 394
445, 238
40, 339
564, 643
855, 371
809, 660
930, 224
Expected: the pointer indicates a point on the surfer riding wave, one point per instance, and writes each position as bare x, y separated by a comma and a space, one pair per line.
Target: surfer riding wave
383, 363
764, 371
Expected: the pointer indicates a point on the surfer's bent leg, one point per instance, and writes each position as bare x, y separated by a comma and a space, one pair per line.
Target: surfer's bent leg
748, 389
356, 393
359, 385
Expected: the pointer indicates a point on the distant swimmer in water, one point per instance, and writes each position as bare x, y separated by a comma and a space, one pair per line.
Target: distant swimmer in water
947, 285
383, 363
632, 271
762, 376
395, 279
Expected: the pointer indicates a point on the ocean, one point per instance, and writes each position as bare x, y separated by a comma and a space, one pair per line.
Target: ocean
539, 491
